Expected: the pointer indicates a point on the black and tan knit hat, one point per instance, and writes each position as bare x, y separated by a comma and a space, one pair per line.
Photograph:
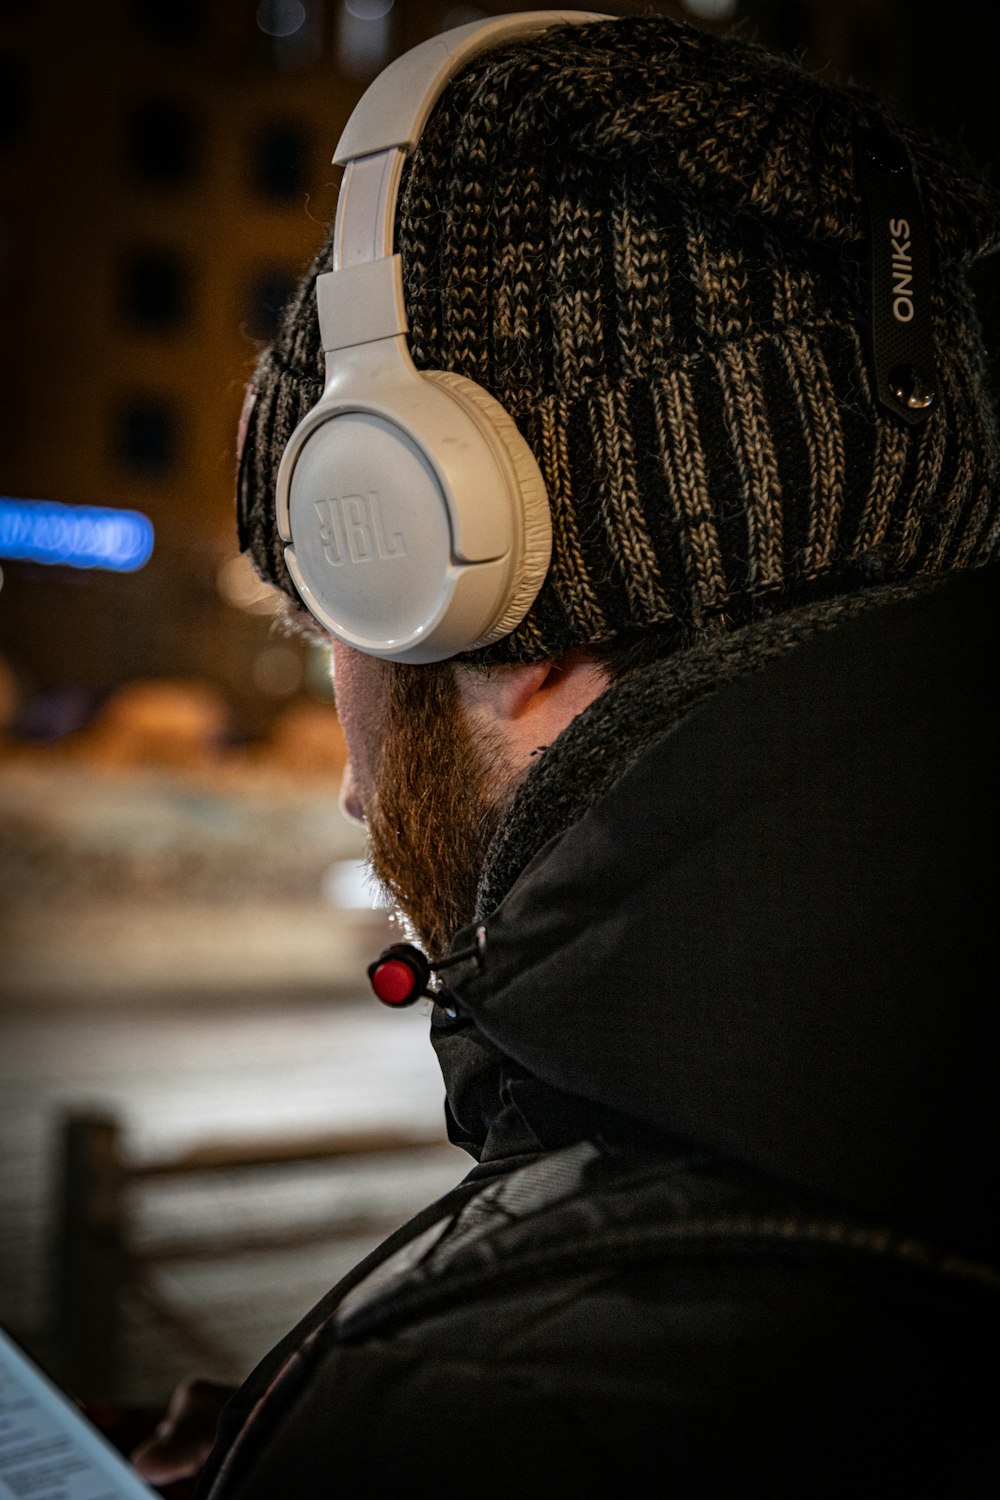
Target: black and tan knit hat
650, 244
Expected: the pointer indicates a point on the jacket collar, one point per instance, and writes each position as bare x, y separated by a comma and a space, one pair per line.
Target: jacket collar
767, 937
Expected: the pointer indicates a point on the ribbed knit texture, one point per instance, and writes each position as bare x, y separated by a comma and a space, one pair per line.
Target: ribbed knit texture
648, 243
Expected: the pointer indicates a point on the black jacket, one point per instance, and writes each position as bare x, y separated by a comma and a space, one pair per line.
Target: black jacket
728, 1064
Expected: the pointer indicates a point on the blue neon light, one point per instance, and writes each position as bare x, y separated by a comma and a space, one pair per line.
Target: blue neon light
77, 536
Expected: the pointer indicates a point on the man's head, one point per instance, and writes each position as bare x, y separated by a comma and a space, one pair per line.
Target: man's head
650, 245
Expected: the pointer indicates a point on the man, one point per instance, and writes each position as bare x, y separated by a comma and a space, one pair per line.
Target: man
708, 835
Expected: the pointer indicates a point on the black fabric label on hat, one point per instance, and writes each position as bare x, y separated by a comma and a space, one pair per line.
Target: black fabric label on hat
901, 345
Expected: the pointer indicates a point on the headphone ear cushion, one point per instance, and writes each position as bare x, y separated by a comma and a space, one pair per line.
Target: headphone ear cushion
531, 514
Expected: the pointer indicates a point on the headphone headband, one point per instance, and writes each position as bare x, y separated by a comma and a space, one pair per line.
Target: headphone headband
415, 512
394, 108
388, 120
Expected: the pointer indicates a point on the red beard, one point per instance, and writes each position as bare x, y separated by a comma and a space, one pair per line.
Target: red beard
440, 796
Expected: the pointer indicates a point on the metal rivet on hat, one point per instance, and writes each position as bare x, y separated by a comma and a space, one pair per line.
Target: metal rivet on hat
910, 386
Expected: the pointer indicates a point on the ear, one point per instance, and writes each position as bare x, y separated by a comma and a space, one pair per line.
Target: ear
501, 694
525, 707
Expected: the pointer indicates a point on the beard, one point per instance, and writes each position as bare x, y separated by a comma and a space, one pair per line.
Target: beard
441, 793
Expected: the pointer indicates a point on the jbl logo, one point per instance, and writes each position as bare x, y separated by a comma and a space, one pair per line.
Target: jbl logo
352, 530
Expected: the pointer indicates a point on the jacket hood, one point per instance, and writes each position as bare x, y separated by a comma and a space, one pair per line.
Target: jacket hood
773, 936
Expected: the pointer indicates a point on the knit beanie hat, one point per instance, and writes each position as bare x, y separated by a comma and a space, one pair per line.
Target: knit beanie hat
649, 243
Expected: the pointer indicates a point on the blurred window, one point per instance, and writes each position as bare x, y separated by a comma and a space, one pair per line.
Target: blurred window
13, 100
154, 290
267, 295
293, 30
162, 143
146, 435
279, 161
174, 23
281, 17
364, 36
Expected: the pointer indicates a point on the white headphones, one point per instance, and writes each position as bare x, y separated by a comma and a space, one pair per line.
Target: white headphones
414, 512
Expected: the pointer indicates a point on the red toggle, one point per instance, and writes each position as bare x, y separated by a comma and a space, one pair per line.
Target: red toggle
397, 982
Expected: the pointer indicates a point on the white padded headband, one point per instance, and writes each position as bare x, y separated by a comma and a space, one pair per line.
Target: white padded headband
366, 303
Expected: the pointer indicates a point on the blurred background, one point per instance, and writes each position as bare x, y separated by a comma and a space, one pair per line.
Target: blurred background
203, 1120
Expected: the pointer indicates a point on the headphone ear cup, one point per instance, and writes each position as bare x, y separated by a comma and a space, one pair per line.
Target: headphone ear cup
532, 515
415, 511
